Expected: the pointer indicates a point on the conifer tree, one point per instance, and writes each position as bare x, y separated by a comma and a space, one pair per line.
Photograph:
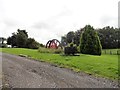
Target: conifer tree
90, 43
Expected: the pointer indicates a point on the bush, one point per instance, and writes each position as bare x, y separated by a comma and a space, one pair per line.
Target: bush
48, 50
58, 51
70, 50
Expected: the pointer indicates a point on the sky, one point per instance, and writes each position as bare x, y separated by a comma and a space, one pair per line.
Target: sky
50, 19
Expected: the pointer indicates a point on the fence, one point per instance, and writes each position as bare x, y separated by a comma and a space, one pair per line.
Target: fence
111, 52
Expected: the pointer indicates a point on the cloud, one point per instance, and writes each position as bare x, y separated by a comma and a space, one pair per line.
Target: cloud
119, 14
52, 21
42, 35
53, 27
41, 25
48, 19
109, 21
10, 23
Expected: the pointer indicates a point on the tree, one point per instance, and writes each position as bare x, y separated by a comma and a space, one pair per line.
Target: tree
118, 38
32, 44
22, 31
90, 43
63, 41
22, 38
70, 37
18, 39
9, 41
77, 37
2, 40
109, 37
14, 39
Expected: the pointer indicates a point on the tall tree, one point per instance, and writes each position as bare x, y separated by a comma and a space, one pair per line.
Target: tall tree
18, 39
90, 43
22, 38
9, 40
14, 39
77, 37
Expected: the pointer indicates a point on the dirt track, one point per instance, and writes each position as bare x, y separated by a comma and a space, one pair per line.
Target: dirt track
20, 72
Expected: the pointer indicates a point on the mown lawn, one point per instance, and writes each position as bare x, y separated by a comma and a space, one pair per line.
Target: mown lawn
104, 65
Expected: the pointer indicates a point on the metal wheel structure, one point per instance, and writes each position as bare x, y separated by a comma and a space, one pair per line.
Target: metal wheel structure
54, 43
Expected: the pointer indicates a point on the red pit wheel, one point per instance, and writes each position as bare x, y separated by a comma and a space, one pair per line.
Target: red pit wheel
53, 44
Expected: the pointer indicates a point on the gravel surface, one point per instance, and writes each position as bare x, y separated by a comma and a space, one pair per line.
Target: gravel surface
20, 72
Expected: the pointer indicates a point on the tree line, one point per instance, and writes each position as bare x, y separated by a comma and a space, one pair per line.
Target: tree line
109, 37
85, 41
20, 39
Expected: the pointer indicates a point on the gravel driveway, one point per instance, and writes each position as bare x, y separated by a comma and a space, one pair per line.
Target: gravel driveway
20, 72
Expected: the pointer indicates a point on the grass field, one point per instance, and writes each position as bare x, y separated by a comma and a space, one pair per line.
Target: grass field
104, 65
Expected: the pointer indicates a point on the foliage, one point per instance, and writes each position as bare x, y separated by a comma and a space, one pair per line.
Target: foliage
71, 37
32, 44
70, 49
12, 40
9, 41
48, 50
90, 43
2, 44
109, 37
2, 39
77, 37
58, 51
44, 50
63, 41
20, 39
104, 65
41, 45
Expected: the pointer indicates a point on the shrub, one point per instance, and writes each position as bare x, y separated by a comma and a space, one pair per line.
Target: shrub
58, 51
48, 50
70, 50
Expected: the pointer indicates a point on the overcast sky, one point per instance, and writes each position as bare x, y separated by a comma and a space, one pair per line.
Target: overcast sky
51, 19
